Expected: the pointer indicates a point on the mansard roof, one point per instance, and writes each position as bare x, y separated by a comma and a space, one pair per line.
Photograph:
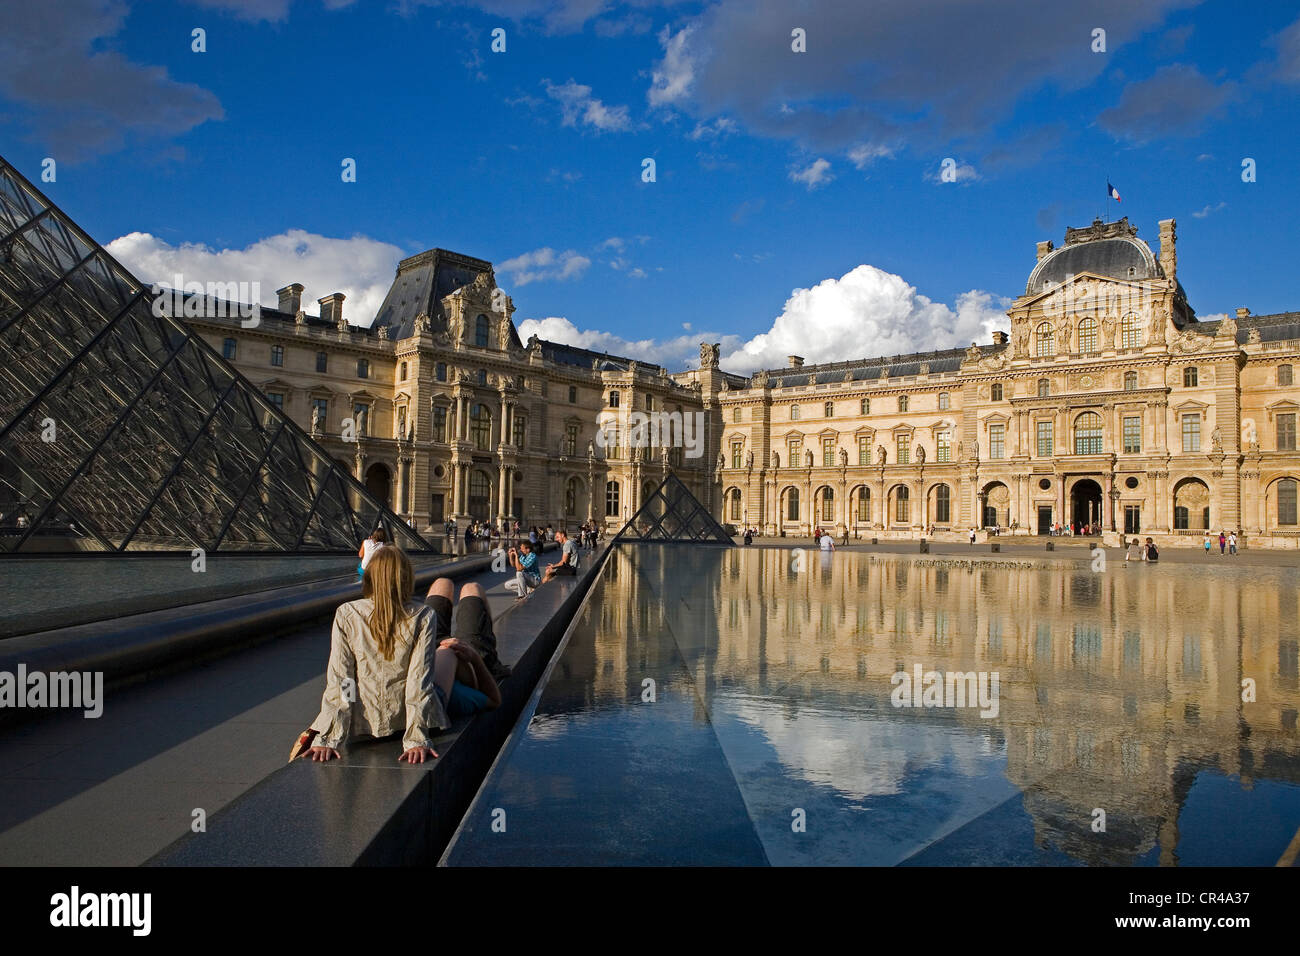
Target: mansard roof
562, 354
420, 285
867, 369
1109, 249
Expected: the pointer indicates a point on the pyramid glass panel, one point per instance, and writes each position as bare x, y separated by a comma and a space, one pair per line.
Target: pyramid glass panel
122, 430
672, 513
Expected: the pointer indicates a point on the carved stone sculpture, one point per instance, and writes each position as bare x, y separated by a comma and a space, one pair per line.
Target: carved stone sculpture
749, 459
1216, 439
810, 458
315, 421
776, 459
722, 460
709, 355
920, 454
882, 455
1108, 331
844, 458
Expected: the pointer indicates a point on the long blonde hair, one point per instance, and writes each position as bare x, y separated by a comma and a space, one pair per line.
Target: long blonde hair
389, 583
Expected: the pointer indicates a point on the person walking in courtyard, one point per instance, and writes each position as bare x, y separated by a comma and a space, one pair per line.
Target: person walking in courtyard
1232, 543
1207, 544
972, 535
846, 536
1223, 543
748, 538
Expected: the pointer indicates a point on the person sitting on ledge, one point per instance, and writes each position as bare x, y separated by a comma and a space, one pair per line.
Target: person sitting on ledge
568, 563
387, 670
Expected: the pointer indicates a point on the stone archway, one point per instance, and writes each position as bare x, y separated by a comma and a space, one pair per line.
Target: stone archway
996, 501
1191, 505
379, 482
1086, 504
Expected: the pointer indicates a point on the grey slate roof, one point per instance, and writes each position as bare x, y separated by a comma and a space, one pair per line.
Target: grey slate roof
1278, 327
1104, 257
420, 285
860, 370
562, 354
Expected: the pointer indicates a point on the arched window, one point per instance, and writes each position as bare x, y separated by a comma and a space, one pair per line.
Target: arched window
1088, 336
481, 331
864, 503
1044, 340
792, 505
902, 504
1087, 434
611, 499
902, 403
1286, 501
828, 505
942, 504
1130, 333
1044, 388
480, 427
571, 497
734, 498
1130, 381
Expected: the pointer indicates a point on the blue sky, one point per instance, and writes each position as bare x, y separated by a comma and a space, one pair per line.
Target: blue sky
776, 171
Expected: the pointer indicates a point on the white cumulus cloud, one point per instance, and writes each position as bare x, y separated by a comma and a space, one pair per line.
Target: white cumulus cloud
545, 263
672, 77
818, 173
361, 268
578, 106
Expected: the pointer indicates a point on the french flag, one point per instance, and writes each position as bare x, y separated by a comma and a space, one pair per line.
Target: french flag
1112, 192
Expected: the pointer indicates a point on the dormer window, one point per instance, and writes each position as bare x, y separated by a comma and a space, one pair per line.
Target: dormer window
481, 331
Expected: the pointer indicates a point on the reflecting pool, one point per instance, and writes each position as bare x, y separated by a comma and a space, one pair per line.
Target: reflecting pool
738, 706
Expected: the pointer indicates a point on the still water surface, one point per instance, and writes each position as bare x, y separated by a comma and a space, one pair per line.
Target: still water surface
770, 735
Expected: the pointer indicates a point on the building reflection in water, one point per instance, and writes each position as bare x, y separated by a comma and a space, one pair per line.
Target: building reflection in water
1118, 688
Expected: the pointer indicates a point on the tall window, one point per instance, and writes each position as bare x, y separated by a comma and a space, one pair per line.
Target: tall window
734, 499
735, 412
902, 504
613, 441
1189, 377
864, 504
363, 368
321, 409
402, 372
481, 331
277, 354
480, 427
864, 450
570, 441
573, 395
1044, 340
904, 449
942, 504
521, 430
796, 452
276, 399
995, 392
997, 441
1192, 432
902, 403
228, 349
828, 452
1087, 434
1045, 439
1132, 434
944, 401
322, 361
794, 413
737, 452
1286, 501
611, 499
1044, 388
943, 446
865, 407
1286, 432
828, 505
440, 423
1088, 336
441, 371
571, 497
1130, 333
481, 376
1284, 375
792, 505
1130, 381
613, 399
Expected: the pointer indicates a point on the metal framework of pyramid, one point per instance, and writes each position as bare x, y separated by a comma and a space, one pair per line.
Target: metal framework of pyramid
672, 513
125, 431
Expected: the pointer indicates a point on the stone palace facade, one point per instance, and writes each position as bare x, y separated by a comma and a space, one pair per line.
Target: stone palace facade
1107, 403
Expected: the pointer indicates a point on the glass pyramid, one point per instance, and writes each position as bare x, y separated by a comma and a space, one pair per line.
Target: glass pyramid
124, 431
672, 513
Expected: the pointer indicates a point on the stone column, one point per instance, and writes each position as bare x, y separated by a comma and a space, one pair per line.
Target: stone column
501, 487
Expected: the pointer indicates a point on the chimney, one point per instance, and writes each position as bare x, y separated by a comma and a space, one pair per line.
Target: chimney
1044, 248
331, 307
999, 338
796, 361
1243, 312
1168, 254
290, 298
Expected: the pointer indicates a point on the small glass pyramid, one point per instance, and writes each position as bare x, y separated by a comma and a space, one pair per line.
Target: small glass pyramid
672, 513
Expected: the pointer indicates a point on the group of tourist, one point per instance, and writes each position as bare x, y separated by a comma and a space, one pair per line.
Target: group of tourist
1138, 551
1074, 529
1227, 543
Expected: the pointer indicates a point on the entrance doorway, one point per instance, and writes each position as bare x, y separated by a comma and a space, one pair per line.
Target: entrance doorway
1044, 519
1085, 504
480, 497
1132, 519
379, 482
